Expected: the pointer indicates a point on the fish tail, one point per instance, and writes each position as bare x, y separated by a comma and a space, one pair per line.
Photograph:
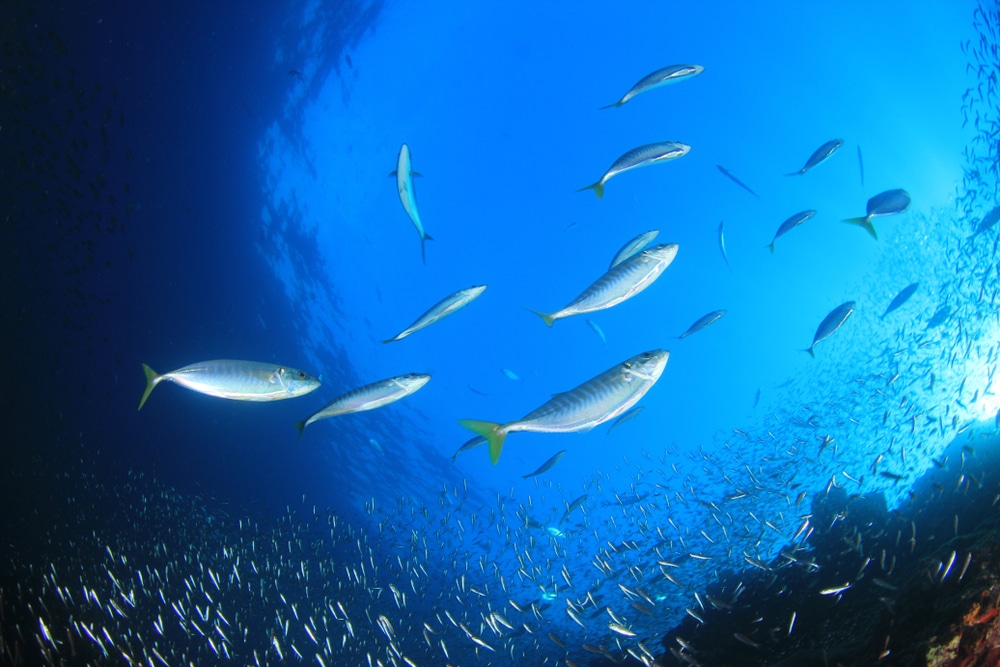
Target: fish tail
151, 381
548, 319
810, 351
597, 187
490, 431
771, 246
864, 222
300, 427
795, 173
613, 104
423, 255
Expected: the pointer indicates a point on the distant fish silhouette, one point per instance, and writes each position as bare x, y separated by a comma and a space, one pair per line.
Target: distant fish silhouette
736, 180
901, 298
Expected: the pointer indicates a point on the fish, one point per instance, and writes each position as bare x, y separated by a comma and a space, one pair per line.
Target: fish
548, 465
594, 402
441, 309
618, 284
598, 331
633, 246
235, 380
819, 155
404, 185
573, 506
511, 375
830, 324
861, 168
789, 224
736, 180
626, 416
368, 397
642, 156
901, 298
722, 241
987, 223
469, 444
939, 317
889, 202
756, 399
703, 322
658, 79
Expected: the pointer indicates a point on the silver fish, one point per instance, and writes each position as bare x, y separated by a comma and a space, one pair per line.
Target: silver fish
639, 157
368, 397
548, 465
625, 416
598, 331
404, 185
658, 79
790, 224
703, 322
469, 444
820, 154
633, 246
235, 380
889, 202
620, 283
830, 324
594, 402
440, 310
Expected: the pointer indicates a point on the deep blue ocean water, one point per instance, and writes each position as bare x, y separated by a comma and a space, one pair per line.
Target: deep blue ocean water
184, 183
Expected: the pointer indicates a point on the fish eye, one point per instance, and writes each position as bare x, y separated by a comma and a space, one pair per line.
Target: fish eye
302, 375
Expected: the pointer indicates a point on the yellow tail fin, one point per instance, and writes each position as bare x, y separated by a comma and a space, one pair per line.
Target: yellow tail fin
490, 431
151, 379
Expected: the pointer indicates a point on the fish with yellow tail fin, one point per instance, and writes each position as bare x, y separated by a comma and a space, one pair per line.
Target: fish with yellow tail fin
889, 202
404, 184
621, 282
643, 156
830, 325
661, 77
236, 380
368, 397
594, 402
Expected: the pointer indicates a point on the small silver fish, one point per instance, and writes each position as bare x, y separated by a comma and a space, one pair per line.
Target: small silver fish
703, 322
469, 444
597, 330
722, 241
235, 380
820, 154
440, 310
548, 465
618, 284
633, 246
594, 402
626, 416
830, 324
790, 224
889, 202
642, 156
368, 397
658, 79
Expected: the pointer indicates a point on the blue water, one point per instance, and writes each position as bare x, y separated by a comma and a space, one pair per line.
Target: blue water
188, 183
